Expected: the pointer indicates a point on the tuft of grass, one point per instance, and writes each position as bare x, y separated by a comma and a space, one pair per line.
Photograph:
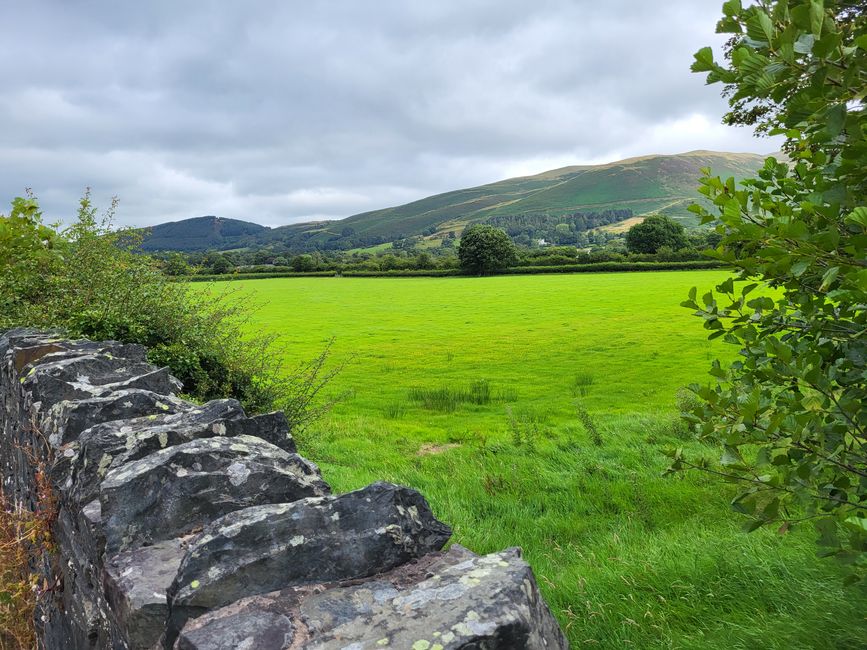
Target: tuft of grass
581, 384
480, 392
443, 399
446, 399
394, 410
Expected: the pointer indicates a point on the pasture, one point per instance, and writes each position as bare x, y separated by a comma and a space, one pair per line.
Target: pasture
533, 411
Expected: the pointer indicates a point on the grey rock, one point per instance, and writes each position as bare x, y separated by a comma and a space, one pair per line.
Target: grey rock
267, 548
274, 620
83, 463
174, 490
135, 584
490, 602
452, 601
93, 375
257, 622
273, 427
64, 421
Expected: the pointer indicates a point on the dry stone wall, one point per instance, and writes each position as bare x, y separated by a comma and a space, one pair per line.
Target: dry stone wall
198, 527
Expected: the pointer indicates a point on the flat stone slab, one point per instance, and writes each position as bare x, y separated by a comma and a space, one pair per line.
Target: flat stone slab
490, 602
267, 548
175, 490
107, 445
456, 601
64, 421
93, 375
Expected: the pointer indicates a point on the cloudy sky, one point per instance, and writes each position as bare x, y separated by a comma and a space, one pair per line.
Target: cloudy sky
278, 112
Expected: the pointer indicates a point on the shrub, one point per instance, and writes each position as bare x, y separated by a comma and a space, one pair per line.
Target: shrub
88, 281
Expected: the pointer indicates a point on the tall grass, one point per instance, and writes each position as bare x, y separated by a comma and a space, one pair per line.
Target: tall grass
447, 399
581, 384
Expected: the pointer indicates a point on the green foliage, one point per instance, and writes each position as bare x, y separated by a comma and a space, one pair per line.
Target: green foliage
484, 249
87, 281
791, 412
29, 255
654, 233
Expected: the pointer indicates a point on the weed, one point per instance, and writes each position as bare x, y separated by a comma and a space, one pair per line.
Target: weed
25, 535
524, 427
507, 395
443, 399
446, 399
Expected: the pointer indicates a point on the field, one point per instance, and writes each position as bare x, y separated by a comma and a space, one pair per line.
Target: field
469, 390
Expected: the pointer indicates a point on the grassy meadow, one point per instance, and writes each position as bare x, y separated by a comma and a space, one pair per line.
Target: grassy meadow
532, 411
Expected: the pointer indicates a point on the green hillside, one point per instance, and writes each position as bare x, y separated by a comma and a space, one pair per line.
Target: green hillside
663, 184
647, 184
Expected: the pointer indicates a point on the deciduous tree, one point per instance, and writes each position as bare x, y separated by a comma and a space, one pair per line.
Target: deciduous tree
655, 232
484, 249
791, 411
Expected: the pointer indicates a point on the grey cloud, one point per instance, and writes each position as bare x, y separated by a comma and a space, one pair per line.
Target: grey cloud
279, 112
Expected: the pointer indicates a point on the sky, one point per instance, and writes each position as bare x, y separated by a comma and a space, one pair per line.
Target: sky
278, 112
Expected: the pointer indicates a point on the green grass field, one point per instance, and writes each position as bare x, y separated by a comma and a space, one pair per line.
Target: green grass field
467, 389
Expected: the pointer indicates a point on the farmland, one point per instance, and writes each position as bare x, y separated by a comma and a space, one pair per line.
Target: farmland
533, 411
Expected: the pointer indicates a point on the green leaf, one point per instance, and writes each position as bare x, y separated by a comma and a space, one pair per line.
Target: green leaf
858, 216
835, 118
703, 60
752, 524
829, 277
798, 268
817, 16
732, 7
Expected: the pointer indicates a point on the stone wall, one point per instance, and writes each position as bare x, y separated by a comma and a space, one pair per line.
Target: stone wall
194, 527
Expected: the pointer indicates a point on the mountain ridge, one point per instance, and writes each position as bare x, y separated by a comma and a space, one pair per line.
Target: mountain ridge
649, 184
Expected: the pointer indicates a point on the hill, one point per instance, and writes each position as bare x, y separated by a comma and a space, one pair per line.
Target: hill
201, 233
648, 184
607, 194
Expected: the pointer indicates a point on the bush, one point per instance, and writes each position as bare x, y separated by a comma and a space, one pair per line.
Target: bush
88, 281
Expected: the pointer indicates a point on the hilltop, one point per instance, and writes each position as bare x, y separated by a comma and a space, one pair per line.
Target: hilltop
201, 233
653, 184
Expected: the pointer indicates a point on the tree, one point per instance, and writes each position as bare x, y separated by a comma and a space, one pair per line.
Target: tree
653, 233
303, 263
176, 264
484, 249
791, 412
221, 264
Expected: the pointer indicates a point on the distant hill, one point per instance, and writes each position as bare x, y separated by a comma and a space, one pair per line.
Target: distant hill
663, 184
201, 233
